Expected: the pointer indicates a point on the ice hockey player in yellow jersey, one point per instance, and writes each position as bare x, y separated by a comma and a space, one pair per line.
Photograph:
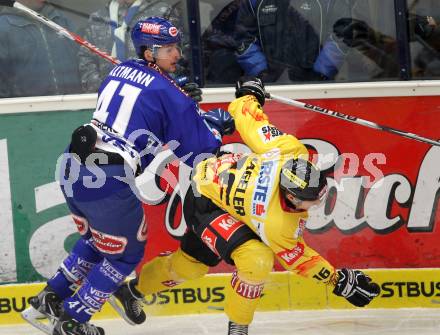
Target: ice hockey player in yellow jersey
247, 209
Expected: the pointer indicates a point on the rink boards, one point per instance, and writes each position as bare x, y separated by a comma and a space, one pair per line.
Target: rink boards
401, 288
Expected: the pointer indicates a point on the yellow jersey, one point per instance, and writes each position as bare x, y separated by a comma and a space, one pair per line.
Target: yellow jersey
247, 187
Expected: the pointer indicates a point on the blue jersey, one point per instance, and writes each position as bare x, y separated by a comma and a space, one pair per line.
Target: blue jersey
140, 108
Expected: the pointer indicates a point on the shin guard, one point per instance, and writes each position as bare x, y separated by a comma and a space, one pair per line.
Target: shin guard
74, 268
102, 281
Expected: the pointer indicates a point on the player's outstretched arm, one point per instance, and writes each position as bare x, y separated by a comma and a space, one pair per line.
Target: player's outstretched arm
253, 124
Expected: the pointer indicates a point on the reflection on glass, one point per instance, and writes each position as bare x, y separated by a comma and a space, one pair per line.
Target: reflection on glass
109, 29
34, 60
219, 45
290, 41
282, 41
424, 26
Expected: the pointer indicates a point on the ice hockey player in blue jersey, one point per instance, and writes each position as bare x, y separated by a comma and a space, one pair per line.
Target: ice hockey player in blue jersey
139, 110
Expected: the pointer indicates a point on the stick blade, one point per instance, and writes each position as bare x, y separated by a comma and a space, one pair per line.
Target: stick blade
7, 3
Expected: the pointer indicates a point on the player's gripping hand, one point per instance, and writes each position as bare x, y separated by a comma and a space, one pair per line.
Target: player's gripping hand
193, 90
190, 88
356, 287
221, 120
251, 85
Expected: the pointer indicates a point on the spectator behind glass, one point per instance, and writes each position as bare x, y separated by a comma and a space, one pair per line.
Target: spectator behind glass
376, 47
426, 31
219, 47
109, 30
274, 35
34, 60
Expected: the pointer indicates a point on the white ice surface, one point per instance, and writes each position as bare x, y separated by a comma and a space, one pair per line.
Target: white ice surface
331, 322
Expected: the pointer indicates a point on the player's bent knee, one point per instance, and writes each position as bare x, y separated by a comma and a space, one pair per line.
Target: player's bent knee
187, 267
254, 260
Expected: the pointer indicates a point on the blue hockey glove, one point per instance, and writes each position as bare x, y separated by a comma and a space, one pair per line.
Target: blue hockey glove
220, 120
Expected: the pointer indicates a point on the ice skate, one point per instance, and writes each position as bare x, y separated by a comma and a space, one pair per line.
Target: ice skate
235, 329
45, 306
127, 301
69, 326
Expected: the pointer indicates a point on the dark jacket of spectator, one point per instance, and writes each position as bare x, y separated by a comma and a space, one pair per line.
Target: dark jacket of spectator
219, 47
273, 35
35, 60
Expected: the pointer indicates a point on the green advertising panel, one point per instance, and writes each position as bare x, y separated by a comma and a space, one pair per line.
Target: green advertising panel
35, 225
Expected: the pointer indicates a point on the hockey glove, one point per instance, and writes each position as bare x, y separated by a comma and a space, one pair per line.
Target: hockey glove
193, 90
220, 120
356, 287
251, 85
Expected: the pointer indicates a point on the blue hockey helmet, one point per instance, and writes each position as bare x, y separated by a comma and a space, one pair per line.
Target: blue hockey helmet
152, 33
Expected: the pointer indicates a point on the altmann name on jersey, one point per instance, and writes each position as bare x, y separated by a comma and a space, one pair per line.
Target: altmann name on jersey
134, 75
263, 188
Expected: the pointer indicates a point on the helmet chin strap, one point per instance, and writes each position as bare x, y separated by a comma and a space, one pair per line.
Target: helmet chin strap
153, 51
294, 201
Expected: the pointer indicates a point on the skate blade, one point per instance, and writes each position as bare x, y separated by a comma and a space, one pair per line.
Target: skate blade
112, 301
32, 316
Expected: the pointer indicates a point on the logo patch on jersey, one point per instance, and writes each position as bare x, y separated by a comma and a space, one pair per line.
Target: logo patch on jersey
226, 225
173, 31
108, 244
209, 238
268, 133
151, 28
259, 209
81, 224
263, 188
291, 256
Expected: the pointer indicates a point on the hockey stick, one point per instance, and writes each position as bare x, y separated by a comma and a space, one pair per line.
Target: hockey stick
60, 30
350, 118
